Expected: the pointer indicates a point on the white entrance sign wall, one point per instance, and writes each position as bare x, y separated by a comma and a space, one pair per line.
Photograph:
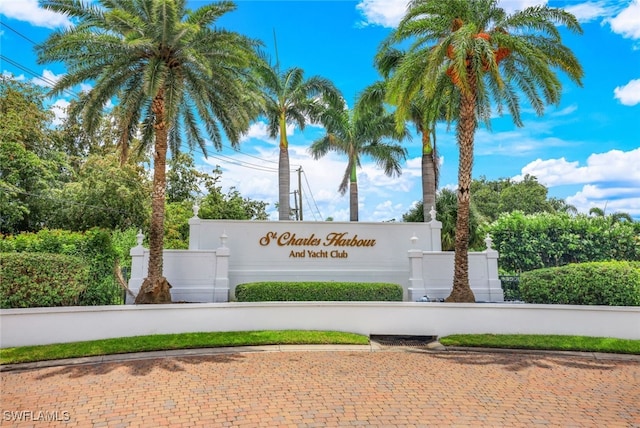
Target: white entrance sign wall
225, 253
316, 251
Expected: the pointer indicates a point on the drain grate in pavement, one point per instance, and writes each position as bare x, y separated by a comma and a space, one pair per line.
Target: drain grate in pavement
414, 341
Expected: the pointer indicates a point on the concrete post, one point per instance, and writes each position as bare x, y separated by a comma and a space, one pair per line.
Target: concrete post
194, 229
495, 285
436, 232
221, 281
416, 278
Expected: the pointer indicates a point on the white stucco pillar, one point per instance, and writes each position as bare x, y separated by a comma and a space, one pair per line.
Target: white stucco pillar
221, 283
436, 232
194, 229
416, 275
138, 269
495, 285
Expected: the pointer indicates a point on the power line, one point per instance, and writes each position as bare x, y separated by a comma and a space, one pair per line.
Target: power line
36, 75
311, 193
18, 33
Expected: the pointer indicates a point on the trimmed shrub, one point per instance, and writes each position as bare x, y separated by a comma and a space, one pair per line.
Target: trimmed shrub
597, 283
94, 246
39, 279
318, 291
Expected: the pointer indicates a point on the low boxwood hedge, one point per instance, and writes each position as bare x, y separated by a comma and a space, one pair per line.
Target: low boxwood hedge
30, 280
318, 291
615, 283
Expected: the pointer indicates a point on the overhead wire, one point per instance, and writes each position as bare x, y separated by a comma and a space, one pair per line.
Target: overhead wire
237, 162
311, 193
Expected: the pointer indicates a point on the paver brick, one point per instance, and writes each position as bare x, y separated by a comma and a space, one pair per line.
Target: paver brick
332, 388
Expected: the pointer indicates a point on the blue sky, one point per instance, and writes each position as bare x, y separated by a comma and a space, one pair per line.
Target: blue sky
586, 150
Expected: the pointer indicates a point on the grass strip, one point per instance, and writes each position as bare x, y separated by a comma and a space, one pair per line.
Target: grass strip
544, 342
163, 342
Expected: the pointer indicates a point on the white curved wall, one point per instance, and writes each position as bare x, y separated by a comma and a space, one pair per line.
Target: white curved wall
38, 326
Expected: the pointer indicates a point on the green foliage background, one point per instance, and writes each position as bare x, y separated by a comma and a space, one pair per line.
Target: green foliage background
528, 242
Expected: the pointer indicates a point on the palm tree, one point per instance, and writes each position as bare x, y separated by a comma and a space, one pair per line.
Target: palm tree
356, 133
473, 56
166, 67
289, 98
614, 218
424, 113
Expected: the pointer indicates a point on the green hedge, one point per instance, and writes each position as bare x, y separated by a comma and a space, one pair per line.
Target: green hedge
95, 247
30, 280
528, 242
597, 283
318, 291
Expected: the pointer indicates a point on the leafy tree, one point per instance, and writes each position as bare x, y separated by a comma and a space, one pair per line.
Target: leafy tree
184, 181
356, 133
25, 119
472, 55
232, 205
290, 98
25, 183
72, 138
104, 194
493, 197
527, 196
166, 67
214, 205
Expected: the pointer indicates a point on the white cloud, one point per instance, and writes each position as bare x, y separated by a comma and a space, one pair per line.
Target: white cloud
627, 23
511, 6
610, 200
629, 94
386, 13
47, 80
565, 111
611, 178
611, 167
59, 109
389, 13
589, 11
28, 10
10, 75
260, 131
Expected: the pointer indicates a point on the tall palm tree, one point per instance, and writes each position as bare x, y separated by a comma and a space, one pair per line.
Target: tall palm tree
424, 113
356, 133
489, 58
167, 66
289, 98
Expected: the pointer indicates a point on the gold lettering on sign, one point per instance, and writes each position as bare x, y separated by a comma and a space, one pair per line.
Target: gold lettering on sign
339, 240
333, 239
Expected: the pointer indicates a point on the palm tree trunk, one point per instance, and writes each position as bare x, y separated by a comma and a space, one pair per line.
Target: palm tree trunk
353, 194
155, 288
461, 291
428, 176
284, 176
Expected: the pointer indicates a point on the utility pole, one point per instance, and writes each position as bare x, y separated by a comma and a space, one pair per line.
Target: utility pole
295, 204
300, 190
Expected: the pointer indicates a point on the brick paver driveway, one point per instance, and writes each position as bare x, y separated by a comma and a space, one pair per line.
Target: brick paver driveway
392, 387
